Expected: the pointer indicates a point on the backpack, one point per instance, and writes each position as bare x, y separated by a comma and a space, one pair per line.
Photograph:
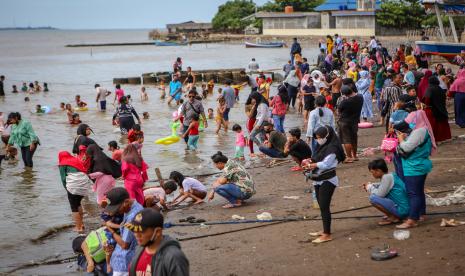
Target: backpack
95, 242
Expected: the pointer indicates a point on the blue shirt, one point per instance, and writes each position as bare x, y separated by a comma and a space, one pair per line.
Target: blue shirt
229, 96
121, 258
174, 87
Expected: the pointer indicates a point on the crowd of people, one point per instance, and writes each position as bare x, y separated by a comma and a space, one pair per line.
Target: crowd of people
352, 85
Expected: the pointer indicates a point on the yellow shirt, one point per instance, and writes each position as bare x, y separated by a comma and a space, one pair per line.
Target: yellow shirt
410, 60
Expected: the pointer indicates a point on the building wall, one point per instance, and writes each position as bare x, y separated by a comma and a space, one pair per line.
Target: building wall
359, 22
292, 23
320, 32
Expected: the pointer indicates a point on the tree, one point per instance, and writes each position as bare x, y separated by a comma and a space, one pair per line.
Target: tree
401, 14
229, 15
298, 5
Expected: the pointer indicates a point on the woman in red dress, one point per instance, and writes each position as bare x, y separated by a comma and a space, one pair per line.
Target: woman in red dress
435, 101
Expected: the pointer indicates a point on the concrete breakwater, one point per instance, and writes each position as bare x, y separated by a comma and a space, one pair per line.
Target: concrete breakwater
217, 75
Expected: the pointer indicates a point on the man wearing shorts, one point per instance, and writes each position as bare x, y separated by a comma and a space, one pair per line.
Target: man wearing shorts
349, 116
308, 93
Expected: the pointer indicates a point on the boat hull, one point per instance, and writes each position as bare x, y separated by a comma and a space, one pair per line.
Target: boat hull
264, 45
447, 50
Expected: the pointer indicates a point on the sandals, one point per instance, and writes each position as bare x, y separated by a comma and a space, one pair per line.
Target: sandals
319, 240
315, 234
296, 169
229, 205
387, 222
406, 225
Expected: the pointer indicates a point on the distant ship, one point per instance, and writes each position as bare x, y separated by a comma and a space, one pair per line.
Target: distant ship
27, 28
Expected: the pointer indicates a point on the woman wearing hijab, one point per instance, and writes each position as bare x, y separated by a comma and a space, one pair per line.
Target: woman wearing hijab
279, 103
328, 154
435, 100
457, 90
82, 138
261, 105
103, 169
134, 171
363, 85
423, 85
292, 82
416, 144
71, 165
124, 113
23, 135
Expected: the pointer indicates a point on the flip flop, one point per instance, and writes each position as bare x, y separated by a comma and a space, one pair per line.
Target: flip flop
229, 205
406, 226
315, 234
386, 222
319, 240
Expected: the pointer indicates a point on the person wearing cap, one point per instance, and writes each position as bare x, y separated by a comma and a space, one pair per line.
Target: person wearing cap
118, 202
157, 254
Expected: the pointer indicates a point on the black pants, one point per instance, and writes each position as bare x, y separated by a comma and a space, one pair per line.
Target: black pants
27, 154
324, 193
292, 92
74, 202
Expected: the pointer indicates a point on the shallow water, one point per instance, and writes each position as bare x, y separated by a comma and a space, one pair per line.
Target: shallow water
32, 201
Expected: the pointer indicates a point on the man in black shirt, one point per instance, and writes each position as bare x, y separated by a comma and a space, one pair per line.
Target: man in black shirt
297, 148
349, 116
309, 92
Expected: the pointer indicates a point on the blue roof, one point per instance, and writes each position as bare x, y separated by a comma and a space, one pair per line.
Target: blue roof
338, 5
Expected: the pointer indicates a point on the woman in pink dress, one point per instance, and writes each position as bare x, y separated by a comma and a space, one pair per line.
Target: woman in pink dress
134, 172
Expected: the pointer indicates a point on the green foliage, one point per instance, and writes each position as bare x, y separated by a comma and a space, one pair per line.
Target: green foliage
401, 14
229, 15
299, 5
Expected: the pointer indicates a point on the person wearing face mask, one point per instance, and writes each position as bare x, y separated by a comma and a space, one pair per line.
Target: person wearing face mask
157, 254
416, 144
328, 154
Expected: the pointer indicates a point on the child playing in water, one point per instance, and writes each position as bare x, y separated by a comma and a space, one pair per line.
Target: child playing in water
145, 115
31, 88
143, 94
37, 87
115, 151
79, 103
75, 119
157, 195
210, 86
204, 90
62, 106
240, 142
210, 113
220, 92
45, 87
188, 188
15, 89
162, 89
219, 114
39, 109
136, 130
24, 87
193, 132
69, 112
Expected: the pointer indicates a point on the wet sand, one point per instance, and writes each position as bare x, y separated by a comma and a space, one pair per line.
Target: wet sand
286, 248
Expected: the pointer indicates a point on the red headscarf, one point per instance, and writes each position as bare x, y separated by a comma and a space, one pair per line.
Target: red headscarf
423, 85
66, 159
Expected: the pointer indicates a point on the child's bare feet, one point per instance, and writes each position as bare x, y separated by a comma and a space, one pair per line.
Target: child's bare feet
200, 201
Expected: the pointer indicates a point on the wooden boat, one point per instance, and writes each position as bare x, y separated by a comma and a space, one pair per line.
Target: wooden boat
169, 43
451, 8
448, 50
264, 45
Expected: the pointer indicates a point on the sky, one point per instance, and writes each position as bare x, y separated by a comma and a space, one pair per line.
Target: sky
106, 14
